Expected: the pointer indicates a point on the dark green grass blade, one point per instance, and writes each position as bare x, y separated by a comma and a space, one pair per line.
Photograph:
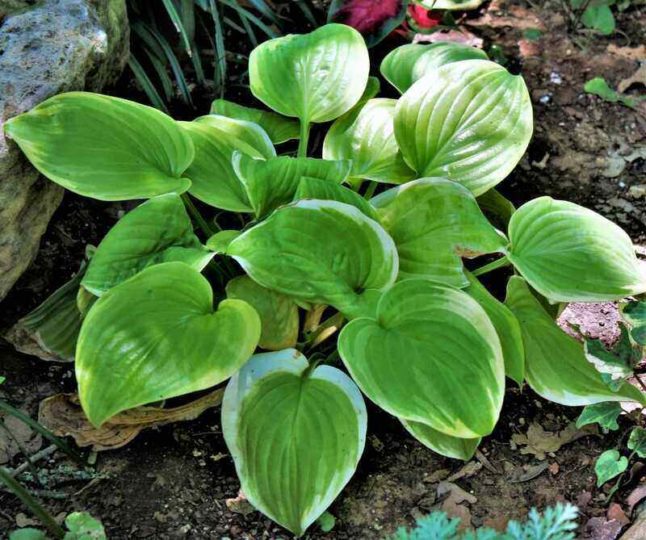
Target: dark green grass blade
145, 82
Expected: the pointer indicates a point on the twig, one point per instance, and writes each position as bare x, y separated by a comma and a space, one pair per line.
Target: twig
36, 457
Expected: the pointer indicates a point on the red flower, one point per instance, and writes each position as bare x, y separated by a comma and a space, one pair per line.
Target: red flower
424, 19
367, 16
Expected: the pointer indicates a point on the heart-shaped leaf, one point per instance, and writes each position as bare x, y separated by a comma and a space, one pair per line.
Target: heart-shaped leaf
315, 77
436, 222
157, 231
324, 252
278, 313
637, 441
571, 254
104, 147
271, 183
324, 190
609, 465
441, 443
407, 64
506, 325
555, 365
295, 434
156, 336
216, 138
279, 128
605, 414
430, 355
366, 137
469, 121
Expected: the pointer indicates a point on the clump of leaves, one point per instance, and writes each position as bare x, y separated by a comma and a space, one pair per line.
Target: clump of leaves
556, 523
369, 238
616, 365
80, 526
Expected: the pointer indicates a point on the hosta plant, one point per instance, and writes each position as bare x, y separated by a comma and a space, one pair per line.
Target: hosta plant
370, 238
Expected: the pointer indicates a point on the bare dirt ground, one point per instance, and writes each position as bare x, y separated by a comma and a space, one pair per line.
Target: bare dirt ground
178, 481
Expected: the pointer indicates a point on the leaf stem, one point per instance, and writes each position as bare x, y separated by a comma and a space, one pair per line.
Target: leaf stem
370, 191
197, 217
37, 509
304, 139
498, 263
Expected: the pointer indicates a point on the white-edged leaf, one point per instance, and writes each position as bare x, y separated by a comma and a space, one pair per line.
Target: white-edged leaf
295, 435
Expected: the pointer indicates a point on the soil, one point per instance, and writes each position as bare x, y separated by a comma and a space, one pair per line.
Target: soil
175, 481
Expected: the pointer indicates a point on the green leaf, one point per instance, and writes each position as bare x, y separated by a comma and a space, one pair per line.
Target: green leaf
506, 325
156, 336
609, 465
599, 87
324, 190
216, 138
315, 77
295, 434
326, 522
279, 128
407, 64
637, 441
430, 355
605, 414
571, 254
441, 443
157, 231
82, 526
104, 147
329, 253
555, 365
366, 137
273, 182
616, 364
434, 223
599, 18
220, 241
27, 533
634, 313
469, 121
51, 330
497, 207
278, 313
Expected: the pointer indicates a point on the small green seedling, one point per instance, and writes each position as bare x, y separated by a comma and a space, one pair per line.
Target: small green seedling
599, 87
373, 232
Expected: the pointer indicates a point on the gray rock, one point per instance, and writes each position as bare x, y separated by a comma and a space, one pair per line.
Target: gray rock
51, 47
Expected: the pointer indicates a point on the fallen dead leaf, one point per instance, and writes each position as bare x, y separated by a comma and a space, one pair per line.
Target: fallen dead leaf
599, 528
529, 474
455, 495
470, 469
615, 511
456, 36
437, 476
539, 442
636, 496
639, 77
63, 415
240, 504
554, 468
631, 53
15, 433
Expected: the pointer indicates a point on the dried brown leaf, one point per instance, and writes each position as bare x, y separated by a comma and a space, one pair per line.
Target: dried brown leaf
63, 415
